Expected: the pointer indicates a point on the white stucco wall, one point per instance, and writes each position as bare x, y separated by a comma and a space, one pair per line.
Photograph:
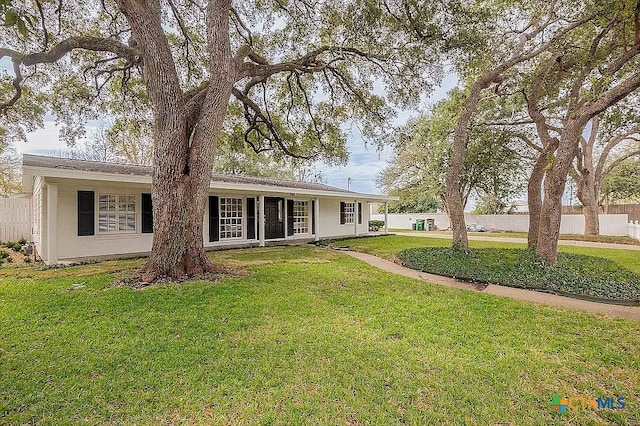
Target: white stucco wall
72, 246
404, 221
329, 224
610, 224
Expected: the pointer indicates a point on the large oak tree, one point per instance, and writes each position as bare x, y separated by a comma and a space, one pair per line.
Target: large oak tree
295, 71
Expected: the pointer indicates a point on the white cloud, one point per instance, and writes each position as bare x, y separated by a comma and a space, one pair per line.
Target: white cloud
48, 139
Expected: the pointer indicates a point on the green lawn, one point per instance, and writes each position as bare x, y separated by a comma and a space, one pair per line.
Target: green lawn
304, 336
389, 246
509, 234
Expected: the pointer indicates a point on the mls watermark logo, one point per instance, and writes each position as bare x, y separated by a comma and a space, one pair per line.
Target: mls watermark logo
582, 403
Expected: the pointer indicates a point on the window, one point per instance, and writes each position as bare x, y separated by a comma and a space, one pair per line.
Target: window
300, 217
347, 213
86, 213
230, 217
116, 213
147, 214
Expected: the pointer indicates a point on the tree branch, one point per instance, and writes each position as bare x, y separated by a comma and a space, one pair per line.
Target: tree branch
600, 173
259, 117
95, 44
619, 160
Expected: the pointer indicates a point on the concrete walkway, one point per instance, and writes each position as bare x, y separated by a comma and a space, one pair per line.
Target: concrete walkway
447, 235
631, 312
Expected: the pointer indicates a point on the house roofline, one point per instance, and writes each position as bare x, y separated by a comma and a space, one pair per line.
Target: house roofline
66, 173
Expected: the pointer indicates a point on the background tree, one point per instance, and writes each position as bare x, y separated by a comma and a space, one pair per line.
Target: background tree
514, 34
9, 170
490, 204
234, 156
622, 184
412, 200
588, 71
593, 162
492, 168
296, 71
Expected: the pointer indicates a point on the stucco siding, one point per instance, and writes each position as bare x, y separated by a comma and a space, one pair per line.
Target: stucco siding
330, 219
70, 245
101, 244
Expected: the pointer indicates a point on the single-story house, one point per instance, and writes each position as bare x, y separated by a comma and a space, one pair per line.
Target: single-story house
86, 209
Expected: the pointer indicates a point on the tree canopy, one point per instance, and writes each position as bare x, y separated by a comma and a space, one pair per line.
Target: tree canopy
493, 167
283, 76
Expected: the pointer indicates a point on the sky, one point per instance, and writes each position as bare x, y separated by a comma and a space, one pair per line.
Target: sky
366, 161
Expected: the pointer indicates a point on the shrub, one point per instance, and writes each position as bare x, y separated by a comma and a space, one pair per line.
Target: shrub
16, 247
374, 225
9, 244
4, 254
27, 259
574, 274
22, 241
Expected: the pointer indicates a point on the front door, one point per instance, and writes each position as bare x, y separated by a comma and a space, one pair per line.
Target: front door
273, 218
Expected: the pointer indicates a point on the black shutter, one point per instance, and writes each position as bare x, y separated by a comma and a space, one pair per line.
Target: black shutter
214, 219
359, 213
86, 213
313, 217
251, 218
147, 214
289, 217
343, 218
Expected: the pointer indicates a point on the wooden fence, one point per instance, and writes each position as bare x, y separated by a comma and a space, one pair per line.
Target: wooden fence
15, 219
631, 210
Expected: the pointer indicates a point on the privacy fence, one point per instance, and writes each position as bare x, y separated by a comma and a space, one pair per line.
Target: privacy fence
633, 230
610, 224
15, 219
632, 210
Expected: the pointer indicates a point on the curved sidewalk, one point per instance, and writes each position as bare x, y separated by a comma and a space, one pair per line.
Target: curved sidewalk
630, 312
434, 234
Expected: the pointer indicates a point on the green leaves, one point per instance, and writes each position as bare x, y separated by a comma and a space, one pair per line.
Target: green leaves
10, 18
14, 18
623, 182
574, 273
423, 149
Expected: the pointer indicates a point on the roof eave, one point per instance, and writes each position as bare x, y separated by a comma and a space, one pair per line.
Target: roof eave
145, 179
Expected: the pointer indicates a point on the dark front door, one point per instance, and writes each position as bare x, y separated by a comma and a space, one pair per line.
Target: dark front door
273, 218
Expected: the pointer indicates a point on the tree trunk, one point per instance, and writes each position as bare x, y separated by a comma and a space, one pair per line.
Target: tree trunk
589, 199
534, 200
588, 188
452, 179
184, 138
177, 235
534, 190
554, 185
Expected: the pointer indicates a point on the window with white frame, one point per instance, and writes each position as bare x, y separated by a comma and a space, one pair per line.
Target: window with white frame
300, 217
347, 213
116, 213
230, 218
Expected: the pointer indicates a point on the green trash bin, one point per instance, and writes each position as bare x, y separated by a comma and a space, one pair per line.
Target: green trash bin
419, 224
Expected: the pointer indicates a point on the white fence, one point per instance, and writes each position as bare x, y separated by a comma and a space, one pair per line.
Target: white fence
610, 224
15, 218
633, 230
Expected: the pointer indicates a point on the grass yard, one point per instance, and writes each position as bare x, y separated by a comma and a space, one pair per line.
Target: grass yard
509, 234
305, 336
389, 246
